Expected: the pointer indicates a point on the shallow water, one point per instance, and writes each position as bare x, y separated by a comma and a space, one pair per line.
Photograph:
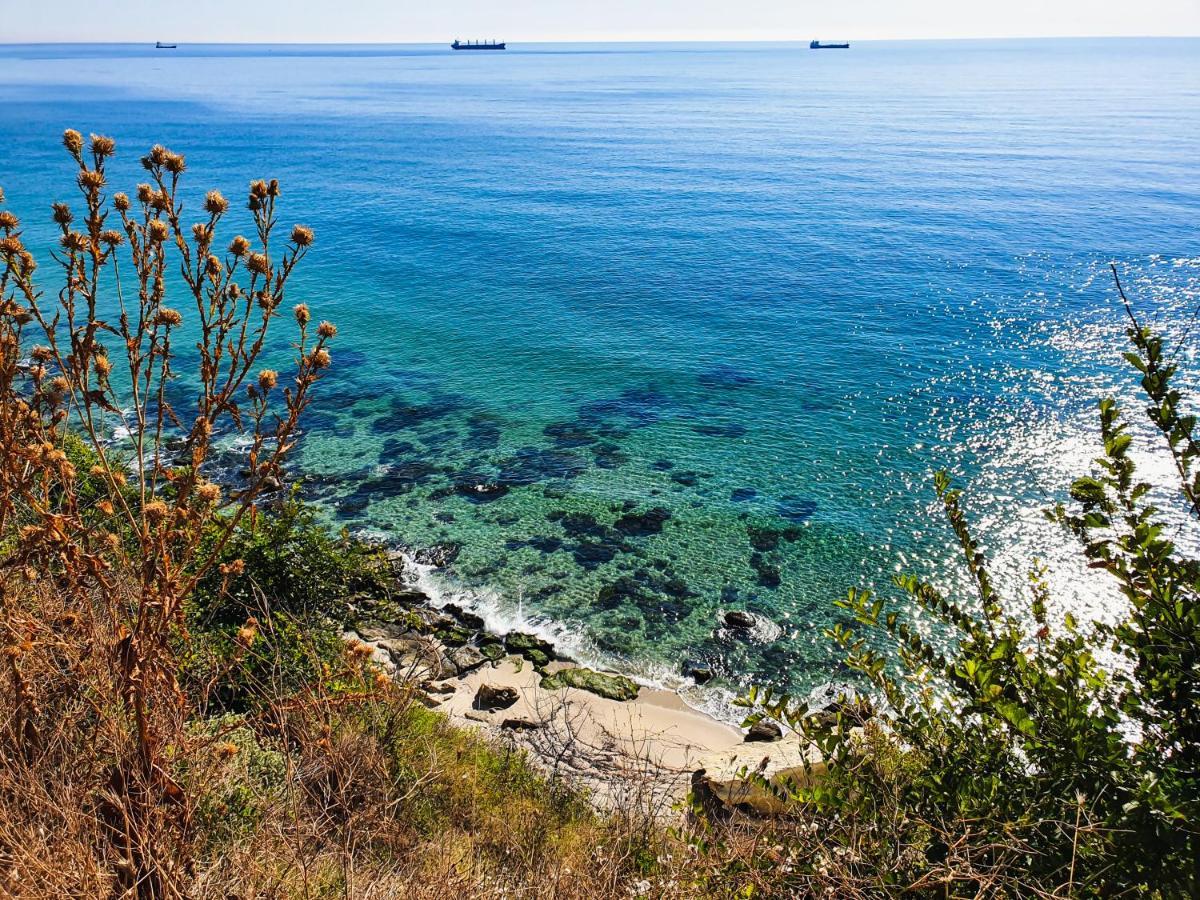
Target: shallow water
701, 319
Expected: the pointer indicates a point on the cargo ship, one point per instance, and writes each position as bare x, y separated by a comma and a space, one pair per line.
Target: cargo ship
477, 45
159, 45
817, 45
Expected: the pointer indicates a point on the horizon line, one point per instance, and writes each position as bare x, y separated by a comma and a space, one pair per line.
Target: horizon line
630, 40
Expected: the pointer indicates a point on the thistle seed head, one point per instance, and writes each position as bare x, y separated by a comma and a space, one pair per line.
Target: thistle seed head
302, 235
239, 246
90, 180
157, 229
208, 493
145, 193
326, 330
320, 358
62, 213
303, 316
168, 317
103, 146
111, 238
7, 220
73, 141
156, 157
74, 241
214, 203
267, 379
258, 264
155, 511
121, 201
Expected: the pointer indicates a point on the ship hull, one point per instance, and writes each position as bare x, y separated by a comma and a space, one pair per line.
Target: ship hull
477, 46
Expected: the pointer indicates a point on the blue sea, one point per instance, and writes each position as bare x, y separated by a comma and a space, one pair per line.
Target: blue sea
701, 319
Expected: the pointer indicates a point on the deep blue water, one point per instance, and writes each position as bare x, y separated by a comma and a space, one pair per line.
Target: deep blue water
710, 313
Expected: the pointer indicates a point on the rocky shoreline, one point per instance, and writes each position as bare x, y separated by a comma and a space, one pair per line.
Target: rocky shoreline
621, 741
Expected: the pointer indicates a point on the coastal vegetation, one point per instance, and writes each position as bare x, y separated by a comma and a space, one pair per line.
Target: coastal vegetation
183, 716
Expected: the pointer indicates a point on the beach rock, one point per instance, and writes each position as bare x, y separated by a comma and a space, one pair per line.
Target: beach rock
524, 644
443, 687
490, 696
520, 724
613, 687
493, 651
465, 659
696, 671
739, 619
764, 731
439, 555
469, 619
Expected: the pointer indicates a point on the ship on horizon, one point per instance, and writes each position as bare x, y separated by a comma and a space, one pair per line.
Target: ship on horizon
817, 45
477, 45
159, 45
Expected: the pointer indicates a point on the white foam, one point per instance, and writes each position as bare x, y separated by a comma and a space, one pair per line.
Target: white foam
501, 616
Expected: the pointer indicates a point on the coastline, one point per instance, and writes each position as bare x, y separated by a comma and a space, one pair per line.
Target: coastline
650, 748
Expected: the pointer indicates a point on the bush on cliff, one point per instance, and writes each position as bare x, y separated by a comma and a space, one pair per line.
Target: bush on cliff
1029, 755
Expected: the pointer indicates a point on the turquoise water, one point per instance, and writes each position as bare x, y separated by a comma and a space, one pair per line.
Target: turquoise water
701, 319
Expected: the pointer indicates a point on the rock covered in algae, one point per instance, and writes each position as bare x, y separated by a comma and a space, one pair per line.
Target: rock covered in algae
613, 687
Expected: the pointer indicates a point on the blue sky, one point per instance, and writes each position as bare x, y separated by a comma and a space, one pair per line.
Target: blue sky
195, 21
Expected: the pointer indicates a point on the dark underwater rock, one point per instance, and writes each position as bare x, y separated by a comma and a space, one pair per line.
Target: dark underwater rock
697, 671
402, 415
608, 455
730, 430
768, 575
741, 495
724, 375
796, 509
590, 554
531, 465
643, 524
479, 488
569, 435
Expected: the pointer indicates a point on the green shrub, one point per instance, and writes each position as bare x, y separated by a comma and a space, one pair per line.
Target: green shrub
1016, 761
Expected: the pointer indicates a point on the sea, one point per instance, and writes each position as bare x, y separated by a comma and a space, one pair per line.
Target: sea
640, 334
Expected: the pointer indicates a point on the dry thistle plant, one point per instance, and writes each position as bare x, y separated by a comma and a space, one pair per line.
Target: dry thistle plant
122, 545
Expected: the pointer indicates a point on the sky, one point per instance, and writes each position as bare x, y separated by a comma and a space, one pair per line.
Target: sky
418, 21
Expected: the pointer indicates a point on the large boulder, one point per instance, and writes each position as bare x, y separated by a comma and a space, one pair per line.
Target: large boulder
739, 620
490, 696
697, 671
764, 731
614, 687
465, 659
